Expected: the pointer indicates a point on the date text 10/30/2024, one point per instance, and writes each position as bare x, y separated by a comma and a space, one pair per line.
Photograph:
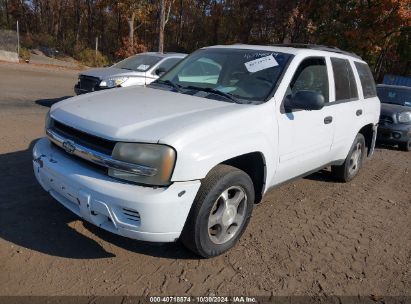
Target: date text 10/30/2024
205, 299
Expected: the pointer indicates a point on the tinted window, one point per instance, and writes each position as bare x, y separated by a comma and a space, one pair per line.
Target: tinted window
367, 80
311, 75
345, 86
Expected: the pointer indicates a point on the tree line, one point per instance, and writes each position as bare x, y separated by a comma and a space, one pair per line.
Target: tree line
377, 30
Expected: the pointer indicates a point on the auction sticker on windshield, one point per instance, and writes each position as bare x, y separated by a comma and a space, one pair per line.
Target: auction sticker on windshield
261, 64
143, 67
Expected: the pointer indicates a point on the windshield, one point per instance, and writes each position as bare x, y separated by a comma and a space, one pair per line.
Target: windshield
140, 62
395, 96
244, 76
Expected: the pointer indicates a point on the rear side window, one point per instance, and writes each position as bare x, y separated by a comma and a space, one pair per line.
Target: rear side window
367, 80
345, 86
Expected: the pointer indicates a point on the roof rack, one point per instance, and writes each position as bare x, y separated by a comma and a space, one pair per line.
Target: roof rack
318, 47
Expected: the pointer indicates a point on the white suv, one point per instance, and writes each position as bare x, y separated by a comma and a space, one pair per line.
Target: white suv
190, 155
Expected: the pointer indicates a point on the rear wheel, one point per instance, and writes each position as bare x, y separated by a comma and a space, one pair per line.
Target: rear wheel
353, 163
220, 212
405, 146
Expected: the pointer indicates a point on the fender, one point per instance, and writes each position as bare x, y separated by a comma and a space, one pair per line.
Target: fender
207, 145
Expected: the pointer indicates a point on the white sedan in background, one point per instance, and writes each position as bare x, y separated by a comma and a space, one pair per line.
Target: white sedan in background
140, 69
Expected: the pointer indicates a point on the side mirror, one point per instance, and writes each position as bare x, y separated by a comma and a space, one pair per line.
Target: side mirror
305, 100
159, 71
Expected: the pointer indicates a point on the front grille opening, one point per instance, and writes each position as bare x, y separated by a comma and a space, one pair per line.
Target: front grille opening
386, 119
88, 83
90, 141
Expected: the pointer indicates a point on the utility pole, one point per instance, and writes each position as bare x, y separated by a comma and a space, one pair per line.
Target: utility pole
18, 39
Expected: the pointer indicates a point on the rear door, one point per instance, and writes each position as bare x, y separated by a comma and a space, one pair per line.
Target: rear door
347, 105
305, 137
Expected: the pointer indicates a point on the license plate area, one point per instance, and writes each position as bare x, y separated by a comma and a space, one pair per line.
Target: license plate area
69, 192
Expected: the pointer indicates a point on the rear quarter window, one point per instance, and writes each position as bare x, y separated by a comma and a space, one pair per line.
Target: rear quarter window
367, 80
345, 85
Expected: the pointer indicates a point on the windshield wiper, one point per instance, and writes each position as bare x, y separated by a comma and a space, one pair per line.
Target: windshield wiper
169, 83
214, 91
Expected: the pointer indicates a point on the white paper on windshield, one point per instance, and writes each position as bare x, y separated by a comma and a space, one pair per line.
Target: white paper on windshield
143, 67
261, 64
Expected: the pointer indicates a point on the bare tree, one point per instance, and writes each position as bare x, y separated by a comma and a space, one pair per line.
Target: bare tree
130, 21
133, 10
164, 17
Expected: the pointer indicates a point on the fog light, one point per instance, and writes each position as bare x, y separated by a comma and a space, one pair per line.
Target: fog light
396, 135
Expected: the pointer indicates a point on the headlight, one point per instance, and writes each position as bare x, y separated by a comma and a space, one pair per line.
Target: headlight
156, 161
404, 117
47, 122
113, 82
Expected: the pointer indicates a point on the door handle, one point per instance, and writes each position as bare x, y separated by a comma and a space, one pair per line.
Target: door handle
328, 120
359, 112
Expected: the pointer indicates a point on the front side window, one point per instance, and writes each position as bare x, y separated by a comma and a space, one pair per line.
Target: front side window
248, 76
345, 86
139, 63
367, 80
311, 75
168, 63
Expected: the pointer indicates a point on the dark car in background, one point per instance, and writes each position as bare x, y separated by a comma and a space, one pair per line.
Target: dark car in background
395, 120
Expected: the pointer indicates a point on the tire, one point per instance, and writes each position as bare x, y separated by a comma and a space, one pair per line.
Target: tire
405, 146
353, 163
212, 227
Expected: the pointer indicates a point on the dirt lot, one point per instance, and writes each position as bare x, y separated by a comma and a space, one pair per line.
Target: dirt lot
310, 237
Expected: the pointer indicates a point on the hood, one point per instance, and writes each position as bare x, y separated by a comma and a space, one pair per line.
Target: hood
390, 109
105, 73
137, 114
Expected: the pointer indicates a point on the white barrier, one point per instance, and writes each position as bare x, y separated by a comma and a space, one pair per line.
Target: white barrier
9, 56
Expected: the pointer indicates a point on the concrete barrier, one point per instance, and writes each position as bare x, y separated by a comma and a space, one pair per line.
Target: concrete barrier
9, 56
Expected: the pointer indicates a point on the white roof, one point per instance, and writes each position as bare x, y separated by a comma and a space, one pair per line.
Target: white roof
290, 50
164, 55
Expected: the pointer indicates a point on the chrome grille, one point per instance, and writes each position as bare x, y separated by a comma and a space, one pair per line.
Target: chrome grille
90, 141
76, 149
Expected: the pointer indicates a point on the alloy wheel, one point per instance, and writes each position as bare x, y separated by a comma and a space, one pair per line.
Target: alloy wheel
227, 215
355, 160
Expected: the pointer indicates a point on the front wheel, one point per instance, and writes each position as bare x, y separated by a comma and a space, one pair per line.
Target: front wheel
405, 146
353, 163
220, 212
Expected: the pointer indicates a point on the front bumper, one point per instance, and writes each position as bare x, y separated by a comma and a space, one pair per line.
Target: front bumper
80, 91
394, 133
137, 212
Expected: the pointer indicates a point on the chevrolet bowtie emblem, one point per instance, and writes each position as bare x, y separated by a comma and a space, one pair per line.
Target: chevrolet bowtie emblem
69, 146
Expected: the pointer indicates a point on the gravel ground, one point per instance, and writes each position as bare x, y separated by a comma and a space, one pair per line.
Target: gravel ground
309, 237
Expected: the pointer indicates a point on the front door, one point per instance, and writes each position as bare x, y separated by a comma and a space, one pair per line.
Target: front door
305, 137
